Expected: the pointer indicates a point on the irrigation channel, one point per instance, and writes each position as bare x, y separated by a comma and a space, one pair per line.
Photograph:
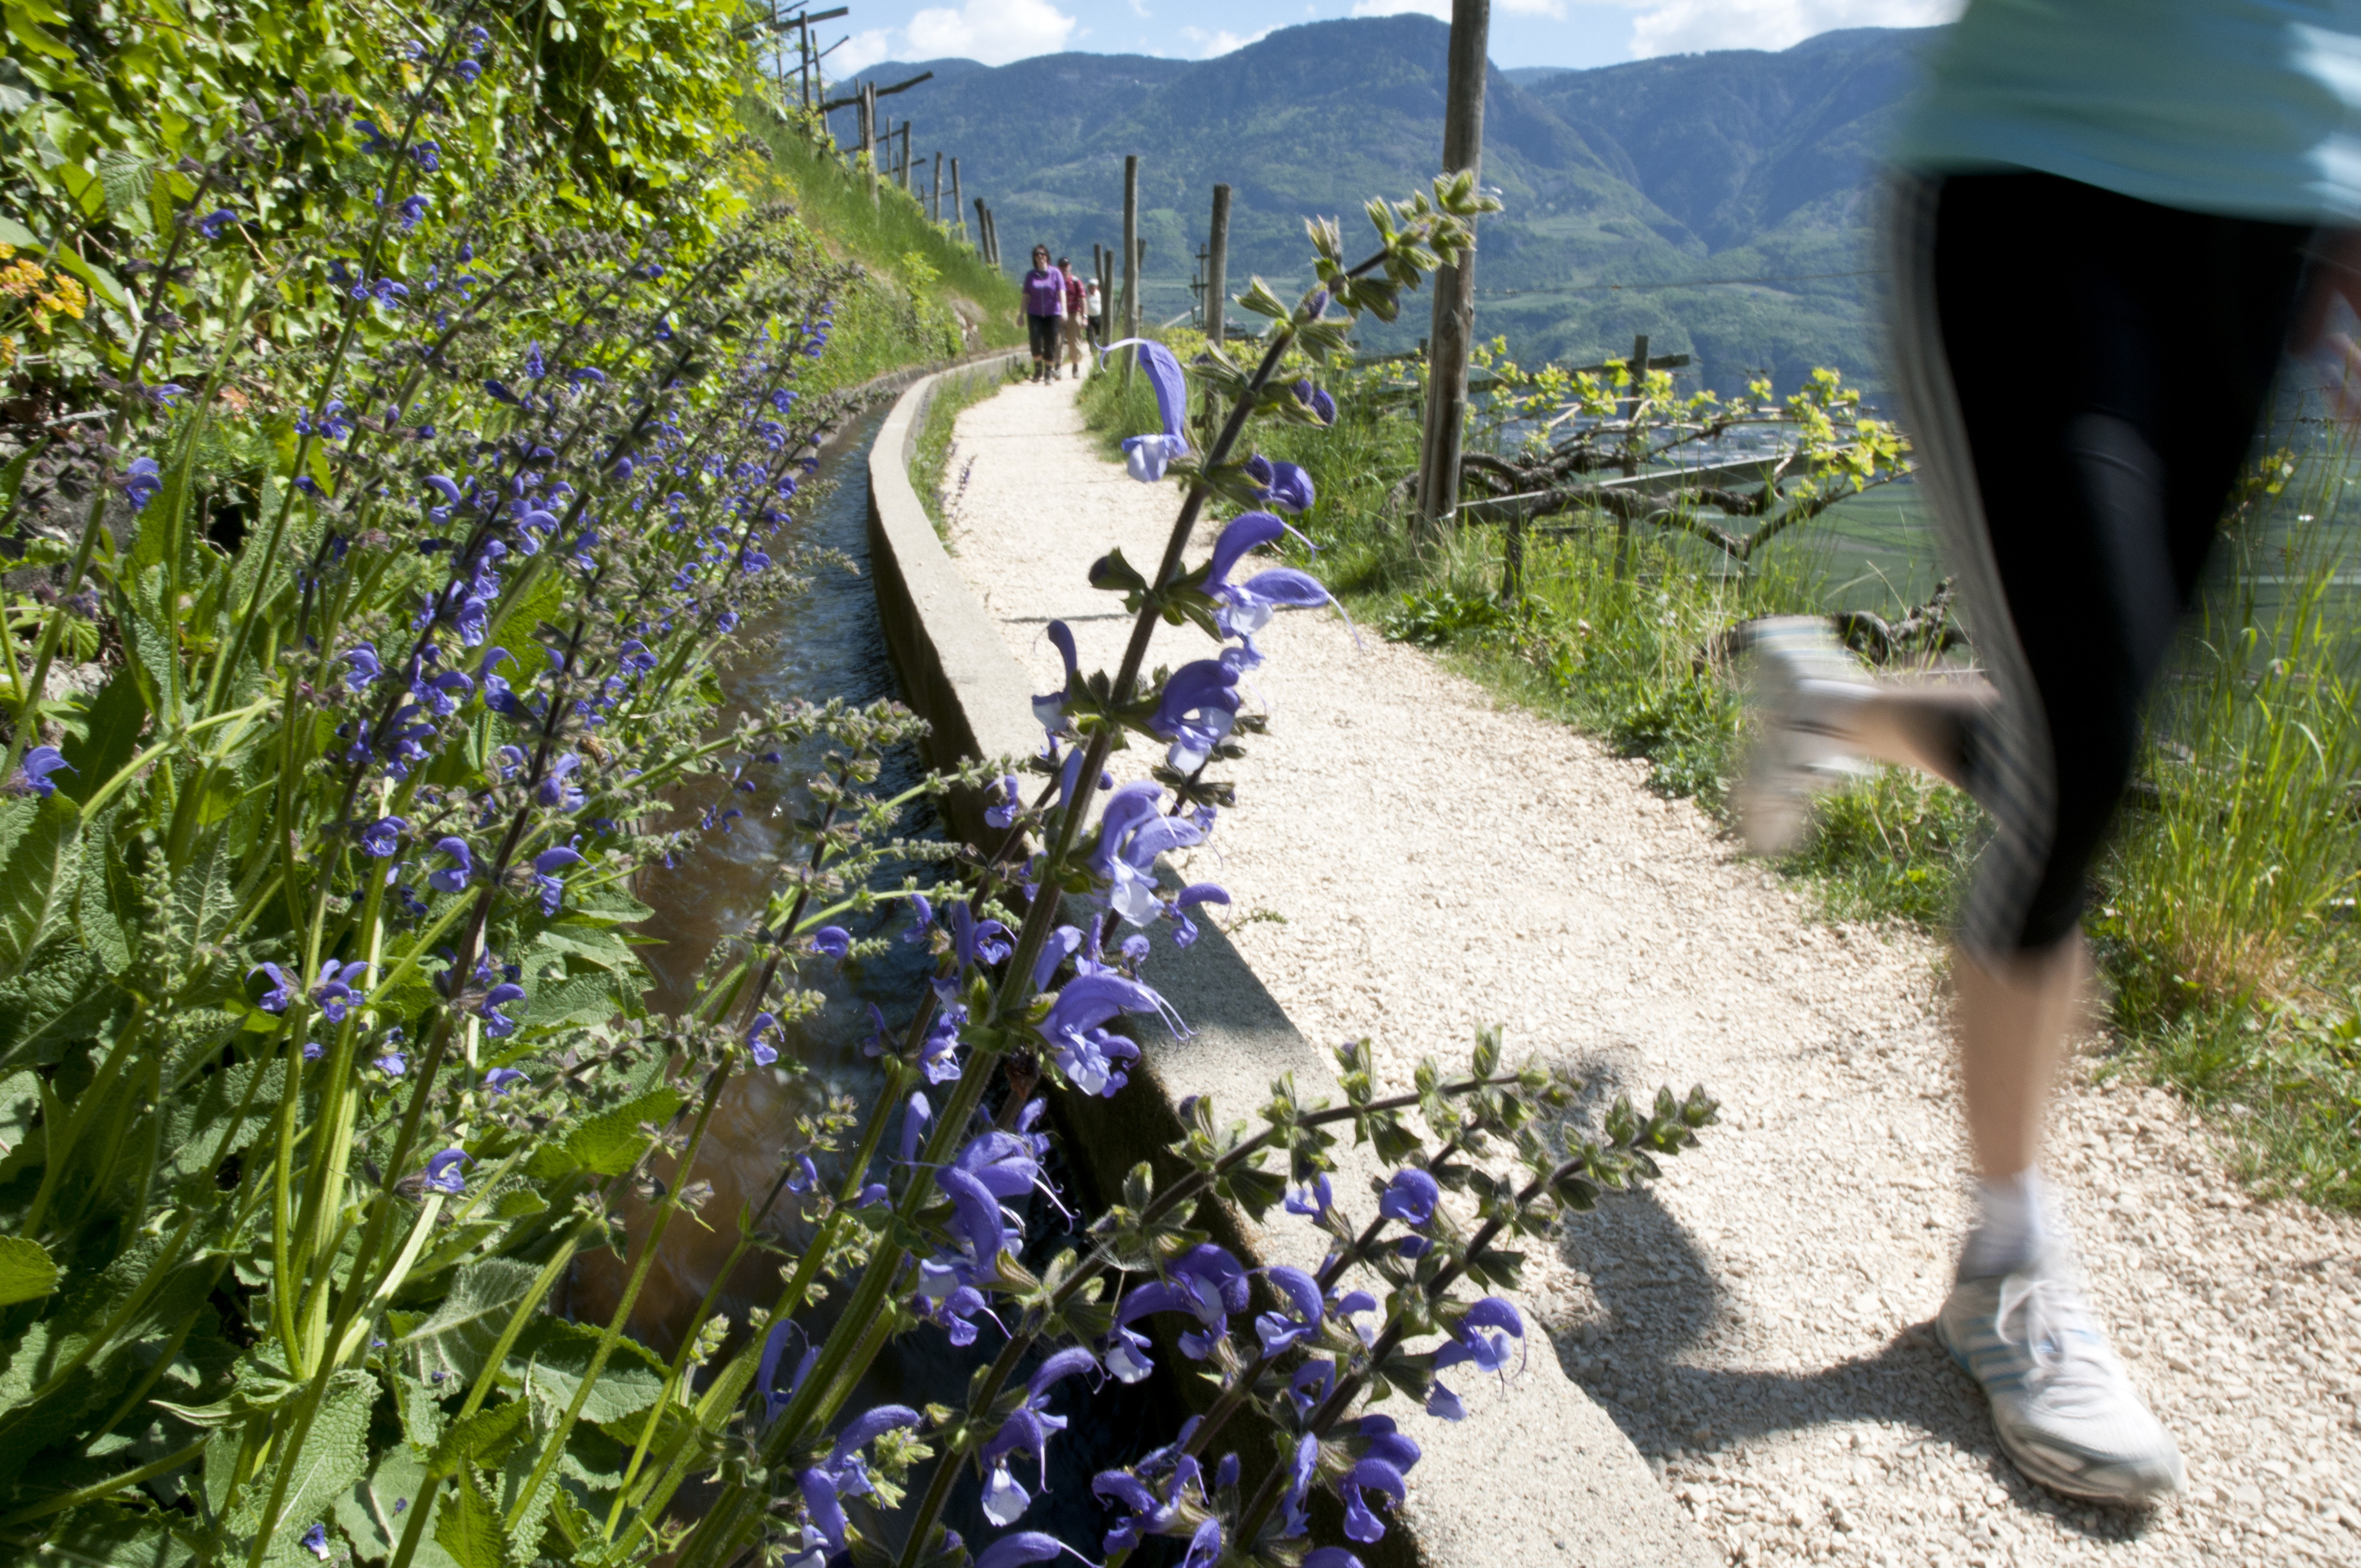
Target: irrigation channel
822, 644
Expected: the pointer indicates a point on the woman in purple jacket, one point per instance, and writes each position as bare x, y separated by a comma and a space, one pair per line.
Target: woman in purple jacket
1045, 312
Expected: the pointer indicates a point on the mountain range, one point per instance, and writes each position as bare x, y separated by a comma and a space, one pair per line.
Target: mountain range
1738, 164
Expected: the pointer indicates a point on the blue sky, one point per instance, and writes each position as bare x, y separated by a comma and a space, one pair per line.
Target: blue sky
1524, 32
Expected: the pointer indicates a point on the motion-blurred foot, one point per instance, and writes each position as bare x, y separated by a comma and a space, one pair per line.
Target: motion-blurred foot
1802, 677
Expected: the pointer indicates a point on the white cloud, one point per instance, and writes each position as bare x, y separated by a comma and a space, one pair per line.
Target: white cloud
1679, 26
1438, 9
1220, 41
993, 31
858, 52
1552, 8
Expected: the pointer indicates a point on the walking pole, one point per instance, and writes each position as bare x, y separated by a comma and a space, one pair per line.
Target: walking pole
1217, 266
1455, 287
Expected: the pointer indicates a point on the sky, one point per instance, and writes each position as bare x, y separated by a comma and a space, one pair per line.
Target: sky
1524, 32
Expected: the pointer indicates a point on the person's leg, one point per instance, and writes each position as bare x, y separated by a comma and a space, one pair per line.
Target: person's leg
2078, 505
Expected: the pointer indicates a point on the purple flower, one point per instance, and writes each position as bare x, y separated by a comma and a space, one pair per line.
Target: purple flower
1330, 1557
1050, 707
1196, 711
1075, 1029
555, 789
211, 227
282, 988
1300, 1293
764, 1053
315, 1540
33, 773
766, 1371
455, 877
1206, 1282
1372, 1475
333, 992
140, 483
1008, 799
1285, 484
975, 941
1410, 1197
409, 212
429, 156
382, 838
1385, 1441
1311, 1200
497, 1023
501, 1079
976, 1222
834, 942
1323, 406
546, 867
1027, 1428
1482, 1338
393, 1064
443, 1172
1021, 1546
1147, 457
922, 915
362, 658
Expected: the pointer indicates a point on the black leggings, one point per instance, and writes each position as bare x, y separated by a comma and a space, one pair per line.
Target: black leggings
1044, 332
2083, 373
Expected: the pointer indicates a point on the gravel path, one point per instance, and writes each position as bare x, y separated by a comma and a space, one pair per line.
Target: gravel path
1757, 1323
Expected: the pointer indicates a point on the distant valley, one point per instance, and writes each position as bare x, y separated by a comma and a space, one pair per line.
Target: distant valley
1741, 164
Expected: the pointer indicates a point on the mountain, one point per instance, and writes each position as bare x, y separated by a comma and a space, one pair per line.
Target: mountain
1735, 164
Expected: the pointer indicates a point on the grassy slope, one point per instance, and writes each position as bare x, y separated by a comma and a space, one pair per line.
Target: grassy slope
925, 294
2218, 920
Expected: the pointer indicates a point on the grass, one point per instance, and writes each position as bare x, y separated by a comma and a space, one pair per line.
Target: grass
924, 294
931, 466
2226, 926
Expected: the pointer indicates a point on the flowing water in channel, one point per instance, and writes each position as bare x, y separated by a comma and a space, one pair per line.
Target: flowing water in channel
827, 643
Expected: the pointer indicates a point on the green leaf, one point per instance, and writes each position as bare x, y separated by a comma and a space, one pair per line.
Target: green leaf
376, 1511
607, 1144
62, 997
460, 1335
557, 1356
469, 1529
110, 737
335, 1456
479, 1440
43, 843
26, 1272
107, 1535
205, 1127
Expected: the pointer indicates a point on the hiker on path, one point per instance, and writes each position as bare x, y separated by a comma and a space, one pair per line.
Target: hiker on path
1077, 317
1045, 312
1095, 309
2150, 180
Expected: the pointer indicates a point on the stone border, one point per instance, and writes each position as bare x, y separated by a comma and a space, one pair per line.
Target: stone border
1539, 1476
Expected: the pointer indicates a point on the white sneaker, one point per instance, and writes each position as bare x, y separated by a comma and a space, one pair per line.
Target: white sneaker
2062, 1405
1801, 673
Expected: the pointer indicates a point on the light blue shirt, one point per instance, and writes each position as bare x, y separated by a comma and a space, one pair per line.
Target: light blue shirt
2248, 108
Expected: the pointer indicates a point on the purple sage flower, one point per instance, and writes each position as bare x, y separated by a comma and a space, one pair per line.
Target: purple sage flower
382, 838
282, 988
33, 773
141, 481
502, 1080
497, 1023
443, 1173
1410, 1197
455, 877
315, 1540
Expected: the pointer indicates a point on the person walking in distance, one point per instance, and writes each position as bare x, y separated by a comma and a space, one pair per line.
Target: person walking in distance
1044, 289
1077, 327
2152, 180
1096, 309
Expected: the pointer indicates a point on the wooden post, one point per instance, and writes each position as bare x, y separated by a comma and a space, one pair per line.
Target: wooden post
958, 208
935, 202
1130, 314
1217, 267
1632, 450
868, 133
1453, 327
906, 157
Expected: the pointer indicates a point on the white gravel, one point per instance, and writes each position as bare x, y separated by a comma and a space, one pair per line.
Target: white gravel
1410, 860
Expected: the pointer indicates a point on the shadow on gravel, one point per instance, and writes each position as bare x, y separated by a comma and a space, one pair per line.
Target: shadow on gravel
1661, 1308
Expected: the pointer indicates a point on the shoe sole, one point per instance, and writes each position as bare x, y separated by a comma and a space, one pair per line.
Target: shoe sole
2037, 1469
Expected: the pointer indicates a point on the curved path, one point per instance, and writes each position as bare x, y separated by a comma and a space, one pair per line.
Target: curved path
1410, 859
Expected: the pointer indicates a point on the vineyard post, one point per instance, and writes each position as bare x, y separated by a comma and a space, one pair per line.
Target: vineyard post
1455, 287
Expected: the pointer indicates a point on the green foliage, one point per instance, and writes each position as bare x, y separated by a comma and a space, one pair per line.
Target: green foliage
931, 463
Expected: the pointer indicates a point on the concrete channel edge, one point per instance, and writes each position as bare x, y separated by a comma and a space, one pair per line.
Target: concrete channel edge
1538, 1476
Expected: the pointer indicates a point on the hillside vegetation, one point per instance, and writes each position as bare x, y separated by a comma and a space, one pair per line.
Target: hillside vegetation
1736, 164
